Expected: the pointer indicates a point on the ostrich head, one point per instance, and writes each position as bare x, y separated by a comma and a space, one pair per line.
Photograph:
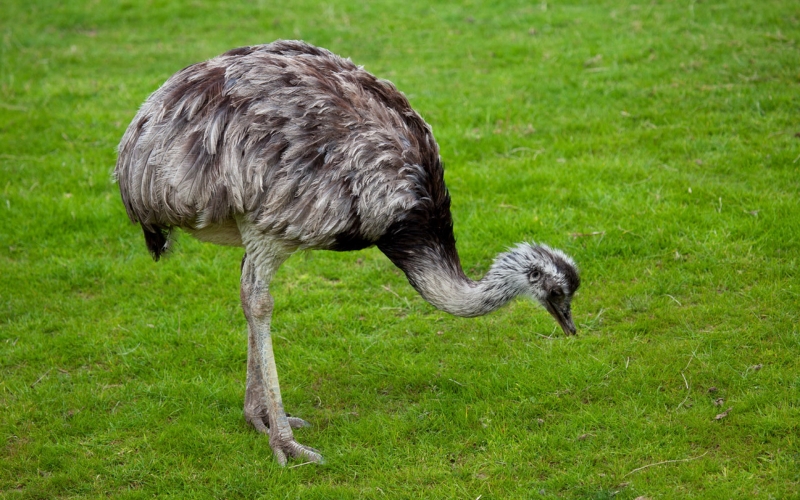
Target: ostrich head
545, 274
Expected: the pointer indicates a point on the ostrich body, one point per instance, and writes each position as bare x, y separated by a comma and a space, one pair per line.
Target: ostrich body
283, 147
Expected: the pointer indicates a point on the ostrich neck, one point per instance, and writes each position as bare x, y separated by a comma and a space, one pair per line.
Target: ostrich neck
444, 284
424, 247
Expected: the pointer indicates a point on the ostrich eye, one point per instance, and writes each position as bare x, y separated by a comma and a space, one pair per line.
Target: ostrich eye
535, 274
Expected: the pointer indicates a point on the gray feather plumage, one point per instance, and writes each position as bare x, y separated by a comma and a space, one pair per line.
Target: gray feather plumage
296, 138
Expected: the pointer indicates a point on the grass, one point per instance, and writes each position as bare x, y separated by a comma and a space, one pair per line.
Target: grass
657, 142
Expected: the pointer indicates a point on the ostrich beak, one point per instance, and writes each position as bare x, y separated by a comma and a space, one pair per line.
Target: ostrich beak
563, 315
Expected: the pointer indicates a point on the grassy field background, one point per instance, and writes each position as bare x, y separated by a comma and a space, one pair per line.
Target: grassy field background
657, 142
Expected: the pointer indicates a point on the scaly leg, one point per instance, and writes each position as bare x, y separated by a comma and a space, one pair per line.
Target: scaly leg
264, 395
255, 409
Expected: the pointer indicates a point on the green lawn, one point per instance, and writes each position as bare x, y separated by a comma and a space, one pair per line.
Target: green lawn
657, 142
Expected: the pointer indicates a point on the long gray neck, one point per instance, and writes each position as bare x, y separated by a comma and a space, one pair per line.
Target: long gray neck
447, 288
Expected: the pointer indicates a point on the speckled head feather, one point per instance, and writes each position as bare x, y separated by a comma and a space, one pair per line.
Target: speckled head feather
534, 260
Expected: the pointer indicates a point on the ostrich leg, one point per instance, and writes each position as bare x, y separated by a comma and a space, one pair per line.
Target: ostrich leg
263, 397
255, 397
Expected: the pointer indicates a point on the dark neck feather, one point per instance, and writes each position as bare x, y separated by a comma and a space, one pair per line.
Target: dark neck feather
431, 264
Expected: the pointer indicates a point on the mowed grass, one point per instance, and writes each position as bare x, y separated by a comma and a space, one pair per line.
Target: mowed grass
657, 142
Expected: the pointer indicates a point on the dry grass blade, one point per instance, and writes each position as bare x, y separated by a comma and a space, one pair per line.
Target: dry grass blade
41, 377
664, 463
299, 465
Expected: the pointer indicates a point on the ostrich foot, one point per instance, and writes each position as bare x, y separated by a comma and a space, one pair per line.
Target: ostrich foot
255, 410
283, 448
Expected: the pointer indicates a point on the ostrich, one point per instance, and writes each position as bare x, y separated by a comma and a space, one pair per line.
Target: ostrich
284, 147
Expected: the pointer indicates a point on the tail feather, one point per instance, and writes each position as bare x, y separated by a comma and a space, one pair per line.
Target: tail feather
157, 240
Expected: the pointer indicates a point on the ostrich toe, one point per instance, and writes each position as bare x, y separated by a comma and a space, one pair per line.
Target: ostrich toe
282, 449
